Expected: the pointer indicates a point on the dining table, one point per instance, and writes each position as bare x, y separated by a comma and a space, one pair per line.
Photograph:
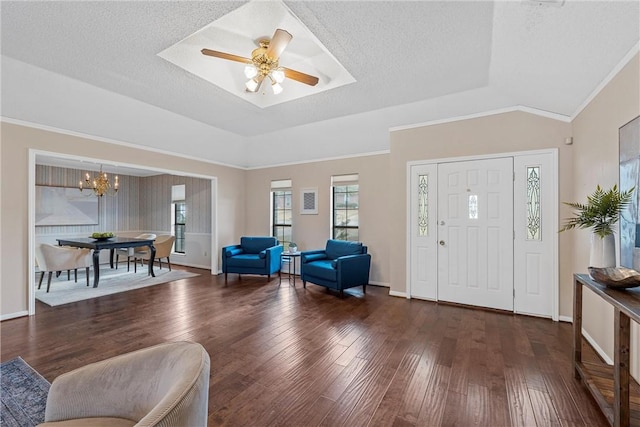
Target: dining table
111, 243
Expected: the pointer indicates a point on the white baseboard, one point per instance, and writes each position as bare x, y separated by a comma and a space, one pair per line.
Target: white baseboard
186, 264
590, 340
397, 294
14, 315
383, 284
596, 347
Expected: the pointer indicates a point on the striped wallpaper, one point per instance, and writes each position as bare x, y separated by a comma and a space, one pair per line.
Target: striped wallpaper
142, 203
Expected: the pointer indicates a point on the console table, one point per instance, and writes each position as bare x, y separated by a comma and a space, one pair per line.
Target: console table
626, 304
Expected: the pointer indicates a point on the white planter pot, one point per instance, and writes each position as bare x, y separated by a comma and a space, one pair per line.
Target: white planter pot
603, 251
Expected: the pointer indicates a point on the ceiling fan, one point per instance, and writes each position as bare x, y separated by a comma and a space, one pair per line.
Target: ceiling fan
264, 63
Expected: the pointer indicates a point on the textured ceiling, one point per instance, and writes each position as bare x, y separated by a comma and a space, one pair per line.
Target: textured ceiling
401, 53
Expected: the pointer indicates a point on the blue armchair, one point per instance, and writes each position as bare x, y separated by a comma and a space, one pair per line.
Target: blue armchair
339, 266
254, 255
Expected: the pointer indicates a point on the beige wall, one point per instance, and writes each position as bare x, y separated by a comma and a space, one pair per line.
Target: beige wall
596, 161
312, 231
500, 133
15, 143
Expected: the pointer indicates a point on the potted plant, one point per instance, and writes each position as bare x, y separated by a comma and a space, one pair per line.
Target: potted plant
600, 213
293, 247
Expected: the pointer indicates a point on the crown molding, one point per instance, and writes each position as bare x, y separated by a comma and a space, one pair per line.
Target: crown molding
325, 159
487, 113
39, 126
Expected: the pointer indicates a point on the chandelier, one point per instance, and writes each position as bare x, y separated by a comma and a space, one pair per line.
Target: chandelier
100, 184
263, 66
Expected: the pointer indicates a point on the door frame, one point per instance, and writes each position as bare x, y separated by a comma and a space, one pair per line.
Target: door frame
31, 202
555, 290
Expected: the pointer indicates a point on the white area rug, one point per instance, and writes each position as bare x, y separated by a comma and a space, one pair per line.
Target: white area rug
111, 282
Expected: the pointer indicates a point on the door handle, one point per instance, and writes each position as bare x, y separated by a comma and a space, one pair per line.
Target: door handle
441, 242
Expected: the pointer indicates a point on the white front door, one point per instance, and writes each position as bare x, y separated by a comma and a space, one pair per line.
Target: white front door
475, 233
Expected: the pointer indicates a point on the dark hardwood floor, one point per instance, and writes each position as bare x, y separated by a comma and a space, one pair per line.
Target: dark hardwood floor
288, 356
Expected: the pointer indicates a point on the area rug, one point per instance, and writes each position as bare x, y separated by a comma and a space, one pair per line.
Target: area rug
23, 394
111, 281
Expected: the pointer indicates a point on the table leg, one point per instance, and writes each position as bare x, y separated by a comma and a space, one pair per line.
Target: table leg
577, 326
294, 271
621, 360
111, 257
96, 267
152, 260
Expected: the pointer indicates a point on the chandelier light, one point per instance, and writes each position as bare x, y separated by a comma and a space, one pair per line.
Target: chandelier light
100, 184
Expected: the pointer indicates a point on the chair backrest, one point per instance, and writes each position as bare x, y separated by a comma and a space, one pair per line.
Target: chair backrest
338, 248
257, 244
163, 244
145, 236
58, 258
163, 385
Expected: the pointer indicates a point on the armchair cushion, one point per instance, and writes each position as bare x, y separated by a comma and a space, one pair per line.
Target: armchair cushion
254, 245
246, 260
337, 248
323, 269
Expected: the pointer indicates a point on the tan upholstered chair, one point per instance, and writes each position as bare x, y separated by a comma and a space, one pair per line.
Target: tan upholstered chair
164, 385
52, 258
131, 252
163, 244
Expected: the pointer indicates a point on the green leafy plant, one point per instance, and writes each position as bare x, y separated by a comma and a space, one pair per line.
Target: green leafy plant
601, 211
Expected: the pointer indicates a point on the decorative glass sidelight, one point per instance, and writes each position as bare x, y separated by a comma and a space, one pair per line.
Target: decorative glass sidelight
533, 203
473, 206
423, 205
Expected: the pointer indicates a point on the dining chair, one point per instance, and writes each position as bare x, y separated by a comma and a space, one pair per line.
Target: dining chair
52, 258
163, 245
131, 252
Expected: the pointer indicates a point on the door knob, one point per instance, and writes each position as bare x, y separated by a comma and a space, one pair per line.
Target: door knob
441, 242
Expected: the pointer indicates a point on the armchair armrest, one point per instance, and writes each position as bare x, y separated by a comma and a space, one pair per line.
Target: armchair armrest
272, 256
353, 269
308, 256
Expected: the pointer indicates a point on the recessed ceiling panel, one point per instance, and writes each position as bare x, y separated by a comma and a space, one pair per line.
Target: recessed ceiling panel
239, 33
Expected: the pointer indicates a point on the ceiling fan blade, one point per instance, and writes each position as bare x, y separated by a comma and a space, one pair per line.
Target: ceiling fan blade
278, 43
224, 55
300, 77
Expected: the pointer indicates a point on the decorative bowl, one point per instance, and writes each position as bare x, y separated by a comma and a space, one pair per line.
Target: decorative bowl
102, 238
616, 278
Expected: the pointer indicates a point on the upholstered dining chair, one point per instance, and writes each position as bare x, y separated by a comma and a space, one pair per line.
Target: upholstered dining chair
52, 258
131, 252
163, 244
164, 385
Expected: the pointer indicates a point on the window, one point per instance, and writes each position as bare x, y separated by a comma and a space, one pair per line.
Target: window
179, 216
345, 207
281, 211
534, 219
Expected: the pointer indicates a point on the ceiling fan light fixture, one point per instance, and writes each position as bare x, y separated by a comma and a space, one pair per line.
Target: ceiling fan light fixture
250, 71
277, 88
278, 75
251, 85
